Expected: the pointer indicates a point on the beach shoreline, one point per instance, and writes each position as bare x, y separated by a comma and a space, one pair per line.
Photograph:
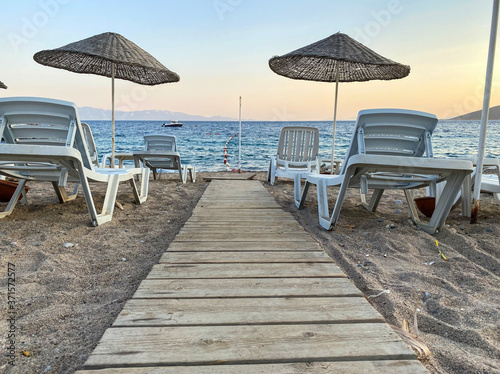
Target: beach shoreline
72, 280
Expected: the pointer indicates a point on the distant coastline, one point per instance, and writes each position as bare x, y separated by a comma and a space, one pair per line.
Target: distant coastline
95, 114
494, 115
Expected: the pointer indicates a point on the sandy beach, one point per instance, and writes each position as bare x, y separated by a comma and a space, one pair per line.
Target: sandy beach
72, 279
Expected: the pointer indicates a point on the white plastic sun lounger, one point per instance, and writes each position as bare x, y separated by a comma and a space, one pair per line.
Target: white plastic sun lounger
160, 153
298, 149
44, 140
387, 152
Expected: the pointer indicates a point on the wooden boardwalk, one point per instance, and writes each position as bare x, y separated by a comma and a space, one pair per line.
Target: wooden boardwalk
244, 289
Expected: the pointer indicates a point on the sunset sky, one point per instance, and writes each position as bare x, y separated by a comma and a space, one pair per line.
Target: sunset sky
221, 48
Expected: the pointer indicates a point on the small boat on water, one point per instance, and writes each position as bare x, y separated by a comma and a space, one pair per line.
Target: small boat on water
172, 124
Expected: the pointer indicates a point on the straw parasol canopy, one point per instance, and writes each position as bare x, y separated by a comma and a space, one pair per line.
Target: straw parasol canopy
2, 85
111, 55
338, 58
97, 54
319, 62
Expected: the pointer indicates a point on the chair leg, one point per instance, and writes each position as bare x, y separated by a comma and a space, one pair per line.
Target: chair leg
467, 196
61, 193
144, 179
304, 195
192, 173
374, 200
272, 172
14, 199
332, 222
443, 207
412, 206
109, 200
323, 211
182, 173
88, 198
297, 193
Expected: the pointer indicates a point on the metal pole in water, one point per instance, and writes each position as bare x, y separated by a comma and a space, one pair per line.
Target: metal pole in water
239, 168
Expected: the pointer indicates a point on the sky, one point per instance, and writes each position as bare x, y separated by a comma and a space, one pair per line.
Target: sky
221, 49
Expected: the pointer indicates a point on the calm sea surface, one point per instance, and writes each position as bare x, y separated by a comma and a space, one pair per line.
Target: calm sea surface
202, 143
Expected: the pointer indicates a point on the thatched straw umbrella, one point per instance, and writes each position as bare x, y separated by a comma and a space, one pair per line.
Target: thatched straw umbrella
111, 55
2, 85
338, 58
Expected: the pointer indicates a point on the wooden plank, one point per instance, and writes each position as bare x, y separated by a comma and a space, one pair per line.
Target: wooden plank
241, 246
255, 228
337, 367
238, 205
248, 270
262, 287
246, 196
237, 225
241, 212
244, 237
230, 220
203, 345
247, 311
236, 232
242, 257
229, 177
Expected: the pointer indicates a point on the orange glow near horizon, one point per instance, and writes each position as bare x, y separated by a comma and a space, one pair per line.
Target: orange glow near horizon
221, 56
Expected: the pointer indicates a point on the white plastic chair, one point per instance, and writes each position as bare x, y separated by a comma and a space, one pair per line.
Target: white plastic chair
298, 149
390, 149
161, 153
44, 140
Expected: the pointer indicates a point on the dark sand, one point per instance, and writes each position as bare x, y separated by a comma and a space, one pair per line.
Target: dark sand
66, 297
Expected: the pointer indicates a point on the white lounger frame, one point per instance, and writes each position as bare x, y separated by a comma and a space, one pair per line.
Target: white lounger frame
45, 141
386, 153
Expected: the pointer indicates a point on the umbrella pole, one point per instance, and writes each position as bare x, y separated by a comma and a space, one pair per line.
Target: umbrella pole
112, 114
484, 114
335, 117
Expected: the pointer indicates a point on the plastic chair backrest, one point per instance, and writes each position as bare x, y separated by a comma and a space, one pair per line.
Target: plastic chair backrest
160, 142
41, 121
298, 144
393, 132
89, 138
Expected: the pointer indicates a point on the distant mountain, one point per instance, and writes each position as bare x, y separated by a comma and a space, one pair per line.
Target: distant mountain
476, 116
95, 114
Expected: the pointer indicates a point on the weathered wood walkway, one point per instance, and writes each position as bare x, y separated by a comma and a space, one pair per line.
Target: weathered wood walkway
244, 289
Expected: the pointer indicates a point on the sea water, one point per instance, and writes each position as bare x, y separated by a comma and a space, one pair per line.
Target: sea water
202, 143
